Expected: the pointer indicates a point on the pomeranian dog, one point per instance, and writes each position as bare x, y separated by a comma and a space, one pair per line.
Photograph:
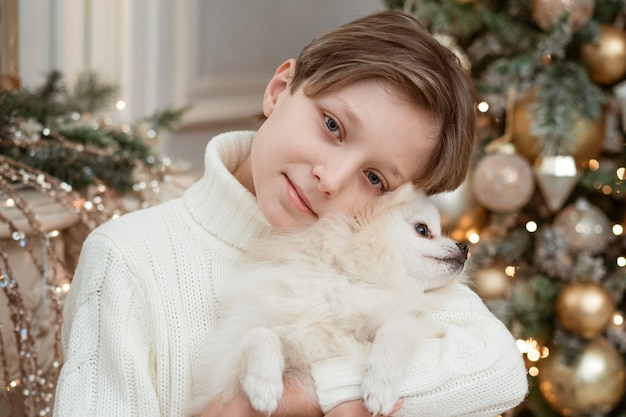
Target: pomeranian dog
342, 285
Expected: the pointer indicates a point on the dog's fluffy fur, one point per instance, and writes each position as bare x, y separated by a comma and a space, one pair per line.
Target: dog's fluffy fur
345, 285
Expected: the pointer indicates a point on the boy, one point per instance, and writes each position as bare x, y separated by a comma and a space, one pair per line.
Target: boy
365, 108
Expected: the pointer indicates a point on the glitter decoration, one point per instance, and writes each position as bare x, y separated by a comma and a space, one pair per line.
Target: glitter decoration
45, 217
26, 374
30, 340
553, 253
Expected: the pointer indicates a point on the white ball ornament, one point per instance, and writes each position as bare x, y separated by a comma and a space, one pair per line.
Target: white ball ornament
503, 182
587, 227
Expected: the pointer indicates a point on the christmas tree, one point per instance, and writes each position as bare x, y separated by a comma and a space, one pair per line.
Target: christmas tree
544, 204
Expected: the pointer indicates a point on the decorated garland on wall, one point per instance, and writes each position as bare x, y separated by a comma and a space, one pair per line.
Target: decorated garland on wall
62, 154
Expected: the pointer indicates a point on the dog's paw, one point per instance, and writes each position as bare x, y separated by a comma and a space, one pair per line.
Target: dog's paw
379, 394
263, 378
264, 395
381, 383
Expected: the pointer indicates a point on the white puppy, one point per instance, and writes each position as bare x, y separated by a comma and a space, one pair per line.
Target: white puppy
345, 285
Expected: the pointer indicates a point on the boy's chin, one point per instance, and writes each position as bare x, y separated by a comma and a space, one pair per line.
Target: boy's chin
292, 224
285, 222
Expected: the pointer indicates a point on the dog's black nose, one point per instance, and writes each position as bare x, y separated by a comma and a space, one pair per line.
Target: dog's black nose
463, 248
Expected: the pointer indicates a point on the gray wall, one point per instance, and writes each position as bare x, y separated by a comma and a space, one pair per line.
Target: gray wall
215, 55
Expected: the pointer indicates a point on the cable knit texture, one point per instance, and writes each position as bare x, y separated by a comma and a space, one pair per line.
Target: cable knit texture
146, 295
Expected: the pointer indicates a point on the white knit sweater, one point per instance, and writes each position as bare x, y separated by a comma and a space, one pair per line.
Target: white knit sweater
146, 295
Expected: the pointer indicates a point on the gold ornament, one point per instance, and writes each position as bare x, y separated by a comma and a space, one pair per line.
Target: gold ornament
451, 43
592, 383
584, 308
606, 60
587, 227
503, 182
546, 11
460, 213
491, 282
556, 177
588, 135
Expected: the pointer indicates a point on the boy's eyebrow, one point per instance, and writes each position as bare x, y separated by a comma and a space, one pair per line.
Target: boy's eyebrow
395, 172
347, 110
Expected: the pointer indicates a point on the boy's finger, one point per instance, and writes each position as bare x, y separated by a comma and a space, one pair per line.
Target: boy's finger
398, 406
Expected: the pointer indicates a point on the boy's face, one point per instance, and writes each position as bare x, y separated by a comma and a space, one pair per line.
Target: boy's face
333, 153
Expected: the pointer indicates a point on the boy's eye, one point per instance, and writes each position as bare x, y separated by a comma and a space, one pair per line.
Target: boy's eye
332, 125
374, 179
422, 229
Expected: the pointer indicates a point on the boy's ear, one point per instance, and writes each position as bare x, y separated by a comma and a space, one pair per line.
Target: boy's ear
279, 83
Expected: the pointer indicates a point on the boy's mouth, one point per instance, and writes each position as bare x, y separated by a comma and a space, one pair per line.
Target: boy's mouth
298, 199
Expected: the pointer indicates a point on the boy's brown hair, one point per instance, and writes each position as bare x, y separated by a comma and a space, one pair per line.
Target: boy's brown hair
392, 45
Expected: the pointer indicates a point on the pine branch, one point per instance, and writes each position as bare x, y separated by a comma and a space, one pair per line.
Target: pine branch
167, 119
459, 19
564, 94
57, 133
90, 94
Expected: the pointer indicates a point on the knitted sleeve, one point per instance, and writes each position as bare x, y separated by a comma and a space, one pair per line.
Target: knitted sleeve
475, 370
106, 337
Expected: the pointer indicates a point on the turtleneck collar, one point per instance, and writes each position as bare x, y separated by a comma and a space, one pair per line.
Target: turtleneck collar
218, 201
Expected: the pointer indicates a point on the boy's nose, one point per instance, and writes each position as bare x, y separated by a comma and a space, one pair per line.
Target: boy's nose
332, 179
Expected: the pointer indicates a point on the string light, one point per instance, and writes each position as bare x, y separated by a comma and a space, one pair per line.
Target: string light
533, 351
510, 271
531, 226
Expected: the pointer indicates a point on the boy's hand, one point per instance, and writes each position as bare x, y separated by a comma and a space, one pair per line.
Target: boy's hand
294, 403
356, 408
239, 406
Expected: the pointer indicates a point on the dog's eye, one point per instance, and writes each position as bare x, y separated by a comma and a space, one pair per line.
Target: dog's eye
422, 229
